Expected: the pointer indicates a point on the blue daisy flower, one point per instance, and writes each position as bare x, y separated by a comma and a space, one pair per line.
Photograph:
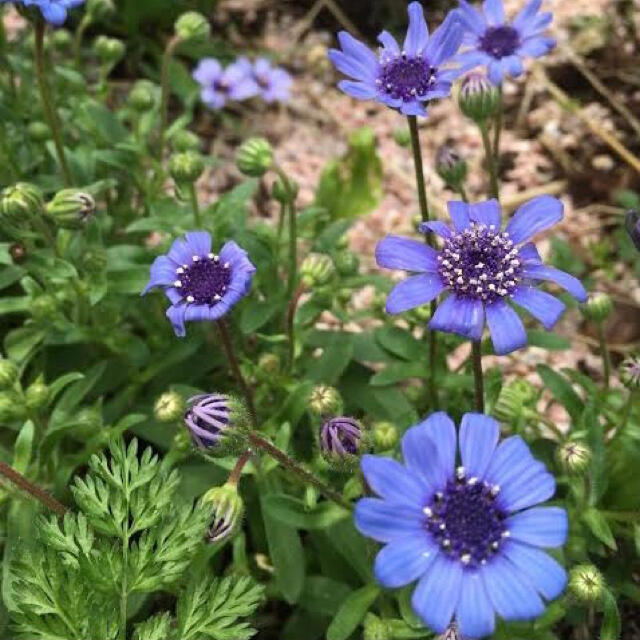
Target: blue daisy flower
482, 267
221, 84
201, 285
471, 535
499, 45
402, 78
53, 11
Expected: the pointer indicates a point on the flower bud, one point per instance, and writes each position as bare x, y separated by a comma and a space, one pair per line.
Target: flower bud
8, 374
61, 39
632, 224
341, 441
254, 157
20, 202
402, 136
142, 96
11, 407
18, 252
375, 628
37, 395
38, 131
317, 269
109, 50
597, 308
192, 26
450, 166
629, 373
186, 167
182, 441
479, 100
71, 208
99, 9
169, 407
226, 508
385, 435
574, 457
217, 423
89, 419
185, 140
269, 363
282, 194
44, 307
325, 401
347, 263
514, 401
586, 583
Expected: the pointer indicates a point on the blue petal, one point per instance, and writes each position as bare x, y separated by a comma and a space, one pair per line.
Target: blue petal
488, 213
478, 439
561, 278
474, 613
533, 217
542, 571
180, 252
525, 17
389, 43
513, 65
542, 306
414, 292
511, 459
413, 108
435, 226
403, 561
464, 316
513, 598
533, 486
396, 252
506, 328
386, 521
356, 49
358, 90
495, 72
163, 273
446, 40
421, 455
417, 33
471, 59
459, 214
541, 526
472, 18
197, 313
390, 480
237, 256
175, 313
199, 241
207, 71
494, 11
528, 252
349, 66
438, 592
536, 46
54, 14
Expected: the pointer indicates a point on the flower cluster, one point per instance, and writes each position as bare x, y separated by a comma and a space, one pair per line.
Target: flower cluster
240, 80
53, 11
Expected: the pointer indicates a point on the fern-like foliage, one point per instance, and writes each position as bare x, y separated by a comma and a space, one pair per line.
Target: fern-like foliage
131, 535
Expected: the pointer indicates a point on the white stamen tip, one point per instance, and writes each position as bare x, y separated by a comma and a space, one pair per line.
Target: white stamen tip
190, 299
177, 283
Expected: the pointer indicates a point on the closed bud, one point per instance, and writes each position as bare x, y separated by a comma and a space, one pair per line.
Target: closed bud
450, 166
630, 373
325, 401
99, 9
20, 202
169, 407
18, 252
89, 419
285, 193
514, 401
61, 39
347, 263
186, 167
38, 131
109, 50
385, 435
254, 157
182, 441
226, 508
8, 374
479, 100
71, 208
269, 363
574, 457
185, 140
192, 26
402, 136
598, 307
375, 628
11, 407
44, 307
317, 269
342, 440
36, 396
586, 583
632, 224
142, 96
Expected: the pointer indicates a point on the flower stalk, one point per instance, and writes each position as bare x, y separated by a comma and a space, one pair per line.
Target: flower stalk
490, 158
478, 378
606, 355
164, 84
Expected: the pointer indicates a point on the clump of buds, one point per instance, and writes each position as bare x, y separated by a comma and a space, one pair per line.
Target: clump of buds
109, 50
185, 140
514, 401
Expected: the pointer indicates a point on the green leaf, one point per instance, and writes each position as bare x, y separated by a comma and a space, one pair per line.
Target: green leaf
611, 622
562, 391
400, 343
293, 512
323, 595
156, 628
19, 343
256, 313
23, 447
332, 363
352, 612
14, 305
398, 372
548, 340
599, 527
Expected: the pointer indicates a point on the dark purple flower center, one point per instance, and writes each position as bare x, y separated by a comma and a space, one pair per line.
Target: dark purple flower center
262, 80
465, 520
480, 263
500, 41
204, 281
221, 86
405, 77
340, 436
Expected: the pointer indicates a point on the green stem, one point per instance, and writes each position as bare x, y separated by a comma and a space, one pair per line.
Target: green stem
280, 231
476, 356
491, 162
627, 413
33, 490
424, 213
47, 103
463, 193
227, 345
498, 128
124, 586
606, 356
164, 83
77, 41
291, 315
197, 216
234, 476
292, 466
293, 249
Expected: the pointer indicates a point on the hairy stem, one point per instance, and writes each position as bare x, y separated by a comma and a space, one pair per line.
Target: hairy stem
291, 315
234, 476
476, 356
33, 490
498, 128
606, 356
47, 103
197, 215
291, 465
164, 101
491, 162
